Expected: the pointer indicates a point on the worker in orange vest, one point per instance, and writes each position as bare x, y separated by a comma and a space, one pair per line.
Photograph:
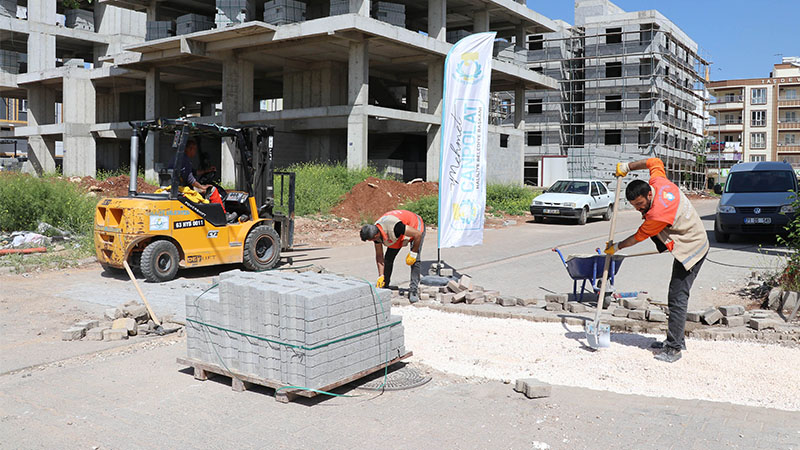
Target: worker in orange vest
396, 229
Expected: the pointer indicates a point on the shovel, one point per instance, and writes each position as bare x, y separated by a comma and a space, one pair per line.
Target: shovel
159, 330
599, 335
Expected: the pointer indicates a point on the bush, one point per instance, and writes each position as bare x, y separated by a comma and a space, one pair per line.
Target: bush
319, 187
25, 201
790, 278
512, 200
426, 207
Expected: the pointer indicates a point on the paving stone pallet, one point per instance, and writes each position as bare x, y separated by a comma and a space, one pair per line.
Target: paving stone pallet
301, 329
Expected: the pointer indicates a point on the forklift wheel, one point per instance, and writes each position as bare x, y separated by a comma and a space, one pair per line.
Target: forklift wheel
262, 248
160, 261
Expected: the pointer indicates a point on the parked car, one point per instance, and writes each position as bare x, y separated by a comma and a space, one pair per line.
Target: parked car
578, 199
756, 199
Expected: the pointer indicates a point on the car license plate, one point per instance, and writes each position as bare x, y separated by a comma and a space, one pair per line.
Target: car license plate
552, 211
764, 220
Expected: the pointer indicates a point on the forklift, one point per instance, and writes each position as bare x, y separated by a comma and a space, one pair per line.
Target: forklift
160, 233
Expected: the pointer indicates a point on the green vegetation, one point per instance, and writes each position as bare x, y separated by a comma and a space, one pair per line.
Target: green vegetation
790, 278
500, 199
319, 187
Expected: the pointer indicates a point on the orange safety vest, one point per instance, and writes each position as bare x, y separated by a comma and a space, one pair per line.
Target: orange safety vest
388, 221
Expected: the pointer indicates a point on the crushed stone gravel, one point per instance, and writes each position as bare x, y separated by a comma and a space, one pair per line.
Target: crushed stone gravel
743, 373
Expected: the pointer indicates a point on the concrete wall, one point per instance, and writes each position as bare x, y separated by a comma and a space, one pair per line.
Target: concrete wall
504, 165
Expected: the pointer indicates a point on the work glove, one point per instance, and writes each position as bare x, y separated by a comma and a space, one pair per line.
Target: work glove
380, 283
611, 248
411, 258
622, 169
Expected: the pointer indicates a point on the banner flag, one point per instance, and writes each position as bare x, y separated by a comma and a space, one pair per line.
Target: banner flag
462, 159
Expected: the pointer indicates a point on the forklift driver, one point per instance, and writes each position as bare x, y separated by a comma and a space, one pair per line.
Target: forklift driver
186, 172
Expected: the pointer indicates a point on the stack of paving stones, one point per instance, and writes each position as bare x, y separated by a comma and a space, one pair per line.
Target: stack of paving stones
190, 23
293, 316
233, 12
8, 8
9, 61
340, 7
281, 12
393, 13
159, 29
79, 19
128, 319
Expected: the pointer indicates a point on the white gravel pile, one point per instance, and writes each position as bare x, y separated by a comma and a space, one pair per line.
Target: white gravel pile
506, 349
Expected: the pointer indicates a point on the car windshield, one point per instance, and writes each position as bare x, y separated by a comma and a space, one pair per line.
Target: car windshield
761, 181
570, 187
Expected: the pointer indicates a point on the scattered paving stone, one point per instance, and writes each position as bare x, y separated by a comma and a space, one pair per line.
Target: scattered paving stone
620, 312
465, 282
761, 324
527, 302
125, 323
656, 315
478, 288
731, 310
638, 314
113, 313
575, 307
557, 298
788, 300
477, 300
459, 297
533, 388
733, 321
554, 306
115, 334
711, 316
446, 298
507, 301
137, 312
95, 334
425, 296
633, 303
694, 316
72, 334
87, 324
774, 298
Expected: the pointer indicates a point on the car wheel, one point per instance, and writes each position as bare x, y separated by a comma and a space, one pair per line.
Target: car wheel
719, 236
583, 216
608, 213
262, 248
160, 261
538, 219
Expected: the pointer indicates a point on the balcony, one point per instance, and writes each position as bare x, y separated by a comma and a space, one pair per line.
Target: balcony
788, 102
789, 124
784, 147
726, 102
727, 125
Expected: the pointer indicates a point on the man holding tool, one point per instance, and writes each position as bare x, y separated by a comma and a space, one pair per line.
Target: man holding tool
674, 225
396, 229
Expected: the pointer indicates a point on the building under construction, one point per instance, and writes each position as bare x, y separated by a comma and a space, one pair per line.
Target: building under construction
631, 86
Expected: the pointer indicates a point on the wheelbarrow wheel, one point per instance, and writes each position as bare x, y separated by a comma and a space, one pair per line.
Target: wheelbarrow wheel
583, 216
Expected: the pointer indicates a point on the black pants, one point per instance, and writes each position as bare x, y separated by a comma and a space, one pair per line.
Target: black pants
416, 270
678, 301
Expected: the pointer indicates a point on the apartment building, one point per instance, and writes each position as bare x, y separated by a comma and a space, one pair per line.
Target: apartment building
352, 81
756, 119
631, 87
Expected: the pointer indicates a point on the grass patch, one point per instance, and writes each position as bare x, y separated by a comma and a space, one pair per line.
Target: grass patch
426, 207
319, 187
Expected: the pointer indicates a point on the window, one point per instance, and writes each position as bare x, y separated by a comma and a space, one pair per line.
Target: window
613, 103
536, 42
645, 67
758, 158
647, 33
531, 173
613, 70
534, 138
603, 190
761, 181
595, 190
645, 136
790, 117
504, 141
758, 140
538, 69
23, 105
645, 103
758, 96
613, 35
731, 119
758, 118
789, 94
534, 106
789, 139
613, 137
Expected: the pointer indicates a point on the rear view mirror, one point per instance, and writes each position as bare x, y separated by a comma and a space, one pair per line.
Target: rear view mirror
544, 191
718, 189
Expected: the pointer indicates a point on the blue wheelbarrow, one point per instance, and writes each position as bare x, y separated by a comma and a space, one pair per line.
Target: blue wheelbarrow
589, 268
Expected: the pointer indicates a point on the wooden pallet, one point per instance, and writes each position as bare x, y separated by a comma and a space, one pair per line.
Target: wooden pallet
239, 380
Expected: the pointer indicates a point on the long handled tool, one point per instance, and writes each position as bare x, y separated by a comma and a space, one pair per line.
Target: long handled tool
159, 329
599, 335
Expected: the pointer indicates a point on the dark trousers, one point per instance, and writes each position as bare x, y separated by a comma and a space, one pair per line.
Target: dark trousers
678, 301
416, 268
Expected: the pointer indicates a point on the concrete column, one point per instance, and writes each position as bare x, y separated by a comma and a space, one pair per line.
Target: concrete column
412, 97
79, 102
237, 97
437, 19
41, 105
519, 36
43, 11
41, 52
435, 93
480, 21
41, 155
519, 142
152, 111
360, 7
357, 98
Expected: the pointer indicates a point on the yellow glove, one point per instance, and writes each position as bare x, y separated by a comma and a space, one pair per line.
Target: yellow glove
622, 169
380, 283
611, 248
411, 258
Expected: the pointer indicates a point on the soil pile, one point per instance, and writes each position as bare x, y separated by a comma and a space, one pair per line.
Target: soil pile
368, 200
114, 186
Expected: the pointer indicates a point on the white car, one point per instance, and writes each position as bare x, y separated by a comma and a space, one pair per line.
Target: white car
578, 199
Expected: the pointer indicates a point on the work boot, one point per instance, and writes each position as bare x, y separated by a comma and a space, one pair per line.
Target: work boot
669, 355
413, 297
660, 344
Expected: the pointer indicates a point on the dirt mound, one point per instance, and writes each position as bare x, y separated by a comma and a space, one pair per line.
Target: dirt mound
372, 197
113, 186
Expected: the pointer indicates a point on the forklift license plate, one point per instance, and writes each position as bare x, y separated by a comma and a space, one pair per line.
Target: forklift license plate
552, 211
762, 220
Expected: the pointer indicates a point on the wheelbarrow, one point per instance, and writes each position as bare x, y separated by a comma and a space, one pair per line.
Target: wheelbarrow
589, 268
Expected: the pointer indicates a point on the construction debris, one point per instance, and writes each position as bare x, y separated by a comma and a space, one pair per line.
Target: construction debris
130, 319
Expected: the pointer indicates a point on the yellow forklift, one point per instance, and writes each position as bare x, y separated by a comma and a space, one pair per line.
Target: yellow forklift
160, 233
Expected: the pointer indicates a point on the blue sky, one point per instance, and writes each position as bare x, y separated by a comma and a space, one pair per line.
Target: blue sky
741, 37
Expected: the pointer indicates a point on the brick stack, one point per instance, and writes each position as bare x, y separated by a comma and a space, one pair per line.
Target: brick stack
281, 12
294, 316
232, 12
79, 19
9, 61
190, 23
159, 29
393, 13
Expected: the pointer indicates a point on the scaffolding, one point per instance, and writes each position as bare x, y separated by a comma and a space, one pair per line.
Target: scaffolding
625, 95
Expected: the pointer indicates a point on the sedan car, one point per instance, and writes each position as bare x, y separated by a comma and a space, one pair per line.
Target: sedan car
577, 199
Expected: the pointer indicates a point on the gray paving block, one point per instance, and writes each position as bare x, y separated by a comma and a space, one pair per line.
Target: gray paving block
575, 307
656, 315
620, 312
115, 334
761, 324
634, 303
556, 298
533, 388
72, 334
711, 316
554, 306
733, 321
731, 310
637, 314
694, 316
